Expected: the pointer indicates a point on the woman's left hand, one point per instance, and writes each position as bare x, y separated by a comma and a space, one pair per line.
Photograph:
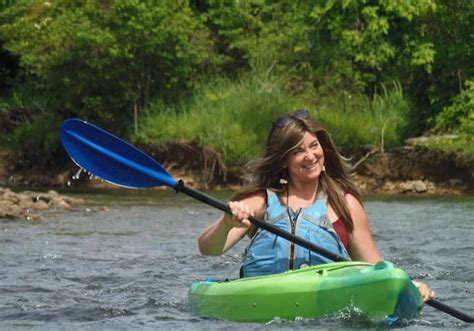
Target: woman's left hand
425, 291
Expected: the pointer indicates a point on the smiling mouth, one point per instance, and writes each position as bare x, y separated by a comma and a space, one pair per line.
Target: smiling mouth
310, 166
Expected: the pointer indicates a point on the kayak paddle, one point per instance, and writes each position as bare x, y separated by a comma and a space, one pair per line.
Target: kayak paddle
118, 162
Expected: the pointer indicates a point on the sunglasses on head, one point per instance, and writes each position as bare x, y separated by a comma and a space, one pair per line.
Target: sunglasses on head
284, 120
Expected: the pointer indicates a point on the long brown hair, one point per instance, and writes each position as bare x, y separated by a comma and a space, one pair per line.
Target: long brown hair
268, 171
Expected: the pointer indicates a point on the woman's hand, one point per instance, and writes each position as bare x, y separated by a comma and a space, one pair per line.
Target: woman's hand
240, 215
425, 291
224, 233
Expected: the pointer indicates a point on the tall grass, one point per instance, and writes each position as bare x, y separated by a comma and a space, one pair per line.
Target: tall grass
234, 117
359, 121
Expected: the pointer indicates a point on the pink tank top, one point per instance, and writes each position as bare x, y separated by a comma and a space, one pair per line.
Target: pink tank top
342, 232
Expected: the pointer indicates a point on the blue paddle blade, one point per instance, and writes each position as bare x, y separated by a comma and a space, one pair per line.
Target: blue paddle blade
110, 158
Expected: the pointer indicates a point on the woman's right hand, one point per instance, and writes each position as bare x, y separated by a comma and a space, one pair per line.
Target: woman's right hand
224, 233
240, 215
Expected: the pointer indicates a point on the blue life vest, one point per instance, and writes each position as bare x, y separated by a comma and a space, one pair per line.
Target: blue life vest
269, 254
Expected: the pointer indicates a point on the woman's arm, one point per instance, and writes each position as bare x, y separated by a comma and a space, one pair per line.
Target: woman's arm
223, 234
361, 244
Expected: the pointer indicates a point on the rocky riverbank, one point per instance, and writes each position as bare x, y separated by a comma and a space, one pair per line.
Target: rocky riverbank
416, 170
408, 170
30, 205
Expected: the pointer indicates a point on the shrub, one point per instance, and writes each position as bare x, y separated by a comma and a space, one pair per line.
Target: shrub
37, 141
459, 116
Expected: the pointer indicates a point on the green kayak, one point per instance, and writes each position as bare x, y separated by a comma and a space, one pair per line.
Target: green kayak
380, 292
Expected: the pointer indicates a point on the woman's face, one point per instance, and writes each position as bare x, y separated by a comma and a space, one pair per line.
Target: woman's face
305, 162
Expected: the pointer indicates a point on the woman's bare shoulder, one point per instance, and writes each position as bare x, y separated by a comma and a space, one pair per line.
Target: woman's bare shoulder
352, 202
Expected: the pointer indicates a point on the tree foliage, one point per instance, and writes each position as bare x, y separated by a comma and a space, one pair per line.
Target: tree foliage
101, 60
107, 61
459, 116
451, 31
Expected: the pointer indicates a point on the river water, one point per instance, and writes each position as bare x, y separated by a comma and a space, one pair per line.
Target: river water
125, 260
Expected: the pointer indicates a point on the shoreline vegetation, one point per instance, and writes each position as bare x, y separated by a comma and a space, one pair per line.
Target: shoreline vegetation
408, 169
411, 170
198, 84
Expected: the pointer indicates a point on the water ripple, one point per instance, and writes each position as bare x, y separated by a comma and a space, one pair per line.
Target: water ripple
130, 267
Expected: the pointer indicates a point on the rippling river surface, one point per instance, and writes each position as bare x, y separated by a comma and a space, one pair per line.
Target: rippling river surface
125, 260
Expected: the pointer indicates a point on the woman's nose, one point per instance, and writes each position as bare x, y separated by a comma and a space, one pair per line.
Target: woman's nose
309, 155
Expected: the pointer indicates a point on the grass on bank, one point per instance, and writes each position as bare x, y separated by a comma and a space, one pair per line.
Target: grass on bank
234, 117
231, 117
362, 122
456, 118
462, 144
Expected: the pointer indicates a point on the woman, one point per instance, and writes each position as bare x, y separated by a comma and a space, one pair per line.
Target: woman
301, 185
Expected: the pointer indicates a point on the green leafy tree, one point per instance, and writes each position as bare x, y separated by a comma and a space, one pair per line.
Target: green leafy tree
349, 46
459, 116
100, 60
451, 31
366, 42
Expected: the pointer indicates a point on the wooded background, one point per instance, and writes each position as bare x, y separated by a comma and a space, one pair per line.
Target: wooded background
374, 72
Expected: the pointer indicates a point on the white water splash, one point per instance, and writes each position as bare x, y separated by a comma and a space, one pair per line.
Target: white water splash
77, 174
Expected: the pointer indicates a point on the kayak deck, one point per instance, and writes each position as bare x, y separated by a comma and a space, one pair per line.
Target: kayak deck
377, 291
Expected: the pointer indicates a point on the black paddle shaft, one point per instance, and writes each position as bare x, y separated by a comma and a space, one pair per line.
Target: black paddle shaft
264, 225
451, 311
303, 243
